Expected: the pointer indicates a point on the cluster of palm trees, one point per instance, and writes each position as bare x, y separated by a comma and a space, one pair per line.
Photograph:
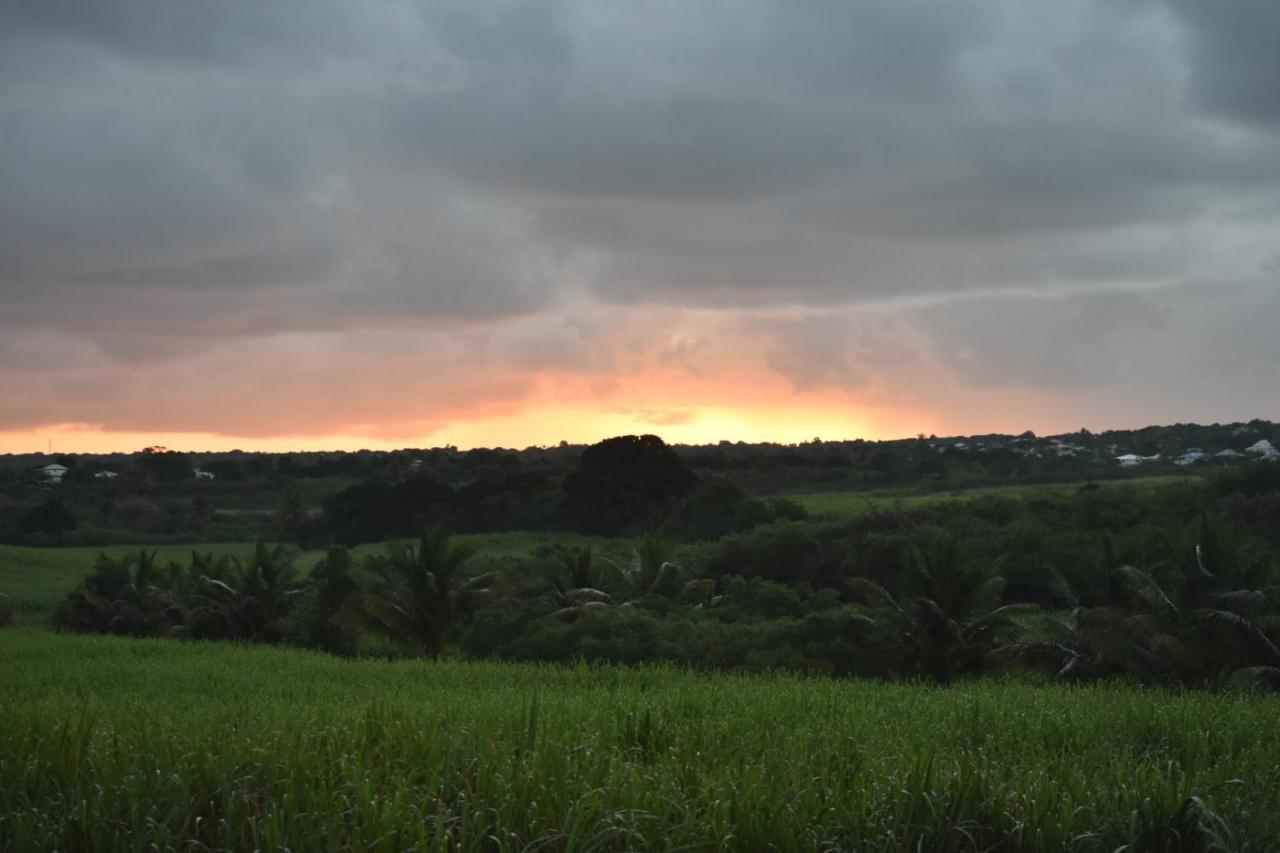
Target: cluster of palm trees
581, 582
1208, 616
411, 594
213, 597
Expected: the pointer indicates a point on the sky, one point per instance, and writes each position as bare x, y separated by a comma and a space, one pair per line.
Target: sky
312, 224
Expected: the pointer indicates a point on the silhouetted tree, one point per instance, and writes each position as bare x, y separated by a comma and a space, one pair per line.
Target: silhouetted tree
369, 512
163, 466
623, 482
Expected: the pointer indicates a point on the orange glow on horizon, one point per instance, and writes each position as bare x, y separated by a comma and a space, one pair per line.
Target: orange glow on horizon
541, 426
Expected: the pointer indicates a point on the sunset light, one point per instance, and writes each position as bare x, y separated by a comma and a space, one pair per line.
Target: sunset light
595, 425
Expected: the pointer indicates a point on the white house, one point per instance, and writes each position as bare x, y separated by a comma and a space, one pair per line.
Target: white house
1228, 454
1129, 460
1261, 446
53, 472
1190, 457
105, 475
201, 474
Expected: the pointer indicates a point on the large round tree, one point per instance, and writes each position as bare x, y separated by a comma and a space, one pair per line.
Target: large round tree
625, 482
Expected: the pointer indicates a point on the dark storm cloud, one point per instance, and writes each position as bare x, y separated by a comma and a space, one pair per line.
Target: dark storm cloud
1234, 60
210, 34
188, 176
721, 101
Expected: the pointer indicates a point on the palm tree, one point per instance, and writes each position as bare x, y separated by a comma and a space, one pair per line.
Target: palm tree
412, 594
652, 570
947, 623
1208, 614
577, 584
241, 601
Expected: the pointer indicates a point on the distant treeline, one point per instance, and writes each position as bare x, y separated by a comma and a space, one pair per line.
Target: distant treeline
315, 499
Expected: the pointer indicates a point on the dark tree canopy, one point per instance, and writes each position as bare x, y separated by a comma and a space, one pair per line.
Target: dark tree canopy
623, 482
368, 512
51, 517
164, 466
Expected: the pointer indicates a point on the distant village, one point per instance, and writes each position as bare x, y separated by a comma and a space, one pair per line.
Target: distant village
55, 471
1261, 450
1215, 446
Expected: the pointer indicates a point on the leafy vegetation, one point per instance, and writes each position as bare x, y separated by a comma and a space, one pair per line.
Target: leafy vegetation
1108, 653
412, 593
949, 623
252, 748
942, 592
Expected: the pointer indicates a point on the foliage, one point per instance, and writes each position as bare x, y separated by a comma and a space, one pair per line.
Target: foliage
947, 620
413, 593
625, 482
231, 599
164, 466
314, 619
51, 518
1170, 585
371, 512
578, 582
1207, 616
130, 595
718, 507
257, 748
213, 597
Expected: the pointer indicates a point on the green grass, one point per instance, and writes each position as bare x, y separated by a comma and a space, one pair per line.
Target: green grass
859, 502
36, 579
115, 744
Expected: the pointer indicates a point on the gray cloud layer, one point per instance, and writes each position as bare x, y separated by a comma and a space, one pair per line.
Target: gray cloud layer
1016, 193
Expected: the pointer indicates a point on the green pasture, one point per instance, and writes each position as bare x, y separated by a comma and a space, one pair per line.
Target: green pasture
859, 502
